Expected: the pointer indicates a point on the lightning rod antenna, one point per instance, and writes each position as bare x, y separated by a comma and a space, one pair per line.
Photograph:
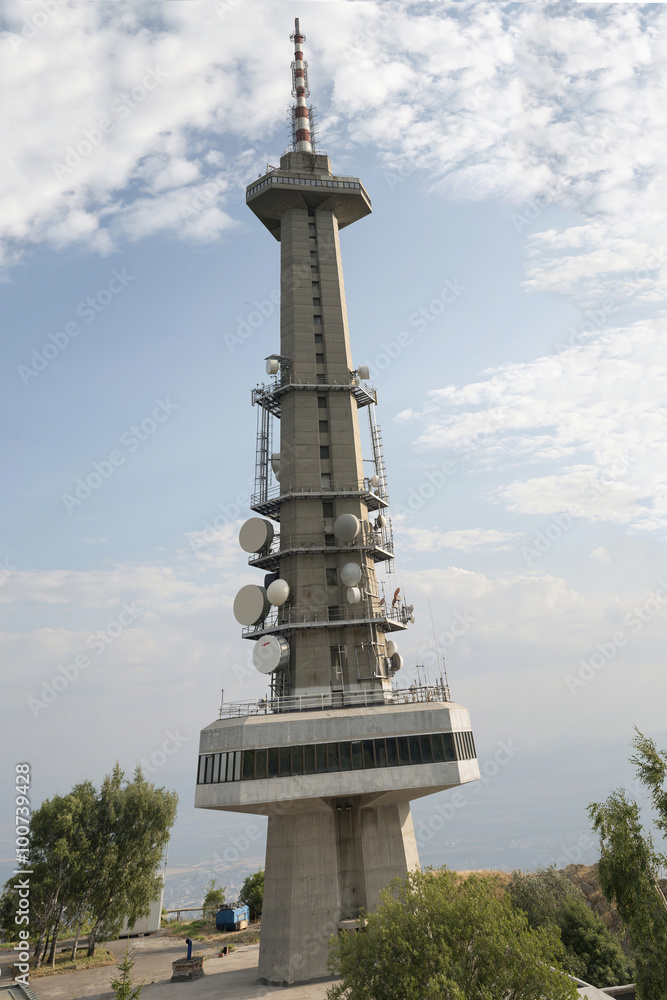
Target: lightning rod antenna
300, 91
444, 680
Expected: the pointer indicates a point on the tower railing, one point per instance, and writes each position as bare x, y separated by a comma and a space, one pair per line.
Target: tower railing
378, 542
291, 617
366, 698
268, 395
358, 488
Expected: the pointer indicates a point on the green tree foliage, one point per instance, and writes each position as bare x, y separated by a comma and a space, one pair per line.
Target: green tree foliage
549, 899
122, 987
213, 900
437, 937
252, 894
95, 858
629, 867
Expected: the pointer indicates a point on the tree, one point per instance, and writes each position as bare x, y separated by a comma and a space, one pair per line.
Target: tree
549, 899
133, 823
629, 866
94, 859
435, 936
252, 894
213, 900
122, 987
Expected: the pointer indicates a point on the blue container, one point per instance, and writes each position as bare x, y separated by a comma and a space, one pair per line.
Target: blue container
232, 918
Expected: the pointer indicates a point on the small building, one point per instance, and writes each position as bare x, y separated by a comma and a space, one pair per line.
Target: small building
232, 918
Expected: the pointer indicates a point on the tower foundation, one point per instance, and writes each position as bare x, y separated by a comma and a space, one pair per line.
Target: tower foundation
322, 867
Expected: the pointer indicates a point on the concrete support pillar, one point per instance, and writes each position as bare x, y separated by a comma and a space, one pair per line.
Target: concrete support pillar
321, 868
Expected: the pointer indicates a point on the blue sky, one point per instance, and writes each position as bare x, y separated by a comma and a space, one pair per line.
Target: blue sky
514, 155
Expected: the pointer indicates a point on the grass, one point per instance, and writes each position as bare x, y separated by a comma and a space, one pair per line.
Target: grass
205, 930
64, 961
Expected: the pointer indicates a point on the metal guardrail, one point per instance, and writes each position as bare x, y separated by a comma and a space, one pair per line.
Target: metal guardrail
336, 700
325, 616
376, 540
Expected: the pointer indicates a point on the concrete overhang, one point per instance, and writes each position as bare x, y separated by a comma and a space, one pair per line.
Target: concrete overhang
321, 792
269, 196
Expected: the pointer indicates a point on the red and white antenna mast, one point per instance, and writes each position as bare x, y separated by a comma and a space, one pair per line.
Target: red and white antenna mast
302, 142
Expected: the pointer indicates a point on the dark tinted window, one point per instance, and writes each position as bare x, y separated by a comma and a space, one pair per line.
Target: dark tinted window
297, 760
392, 752
415, 752
448, 741
380, 753
369, 756
403, 750
260, 763
333, 763
248, 771
285, 762
272, 767
321, 751
309, 759
427, 751
345, 757
356, 755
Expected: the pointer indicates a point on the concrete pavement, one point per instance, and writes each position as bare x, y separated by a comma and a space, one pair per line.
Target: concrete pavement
232, 977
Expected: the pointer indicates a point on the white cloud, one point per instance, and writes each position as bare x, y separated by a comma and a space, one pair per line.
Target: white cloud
595, 411
601, 554
465, 540
529, 103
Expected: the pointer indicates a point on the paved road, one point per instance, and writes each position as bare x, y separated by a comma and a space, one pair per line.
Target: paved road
232, 977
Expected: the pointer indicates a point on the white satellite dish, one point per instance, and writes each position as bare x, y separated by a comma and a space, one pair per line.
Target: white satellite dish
351, 574
396, 662
278, 592
391, 647
346, 527
251, 605
363, 372
256, 534
353, 595
272, 366
375, 481
271, 653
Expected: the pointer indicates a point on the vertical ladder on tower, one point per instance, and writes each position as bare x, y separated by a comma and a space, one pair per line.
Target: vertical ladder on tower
378, 457
263, 453
381, 472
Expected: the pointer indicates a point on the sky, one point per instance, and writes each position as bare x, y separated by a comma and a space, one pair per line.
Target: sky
508, 294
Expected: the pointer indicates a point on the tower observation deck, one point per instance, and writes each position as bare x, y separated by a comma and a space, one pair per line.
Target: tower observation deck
336, 751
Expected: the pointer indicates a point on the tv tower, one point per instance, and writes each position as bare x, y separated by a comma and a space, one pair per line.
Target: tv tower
336, 751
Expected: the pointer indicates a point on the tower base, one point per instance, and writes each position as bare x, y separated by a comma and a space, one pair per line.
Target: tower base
322, 867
